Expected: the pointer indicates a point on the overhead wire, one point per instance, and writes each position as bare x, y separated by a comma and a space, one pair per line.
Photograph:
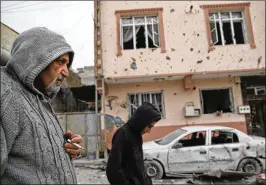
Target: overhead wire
22, 6
14, 4
53, 7
76, 22
85, 41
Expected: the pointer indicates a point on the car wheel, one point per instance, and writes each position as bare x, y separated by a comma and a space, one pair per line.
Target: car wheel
154, 169
249, 165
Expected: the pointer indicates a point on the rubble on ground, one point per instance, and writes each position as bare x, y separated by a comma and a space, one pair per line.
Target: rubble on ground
225, 177
93, 172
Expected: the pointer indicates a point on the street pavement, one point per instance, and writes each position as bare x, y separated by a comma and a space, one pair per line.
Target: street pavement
87, 175
93, 172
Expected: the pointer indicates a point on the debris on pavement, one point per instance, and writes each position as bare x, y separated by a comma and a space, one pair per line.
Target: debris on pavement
93, 171
90, 174
224, 176
220, 174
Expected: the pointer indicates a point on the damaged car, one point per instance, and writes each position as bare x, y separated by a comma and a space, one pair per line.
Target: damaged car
200, 149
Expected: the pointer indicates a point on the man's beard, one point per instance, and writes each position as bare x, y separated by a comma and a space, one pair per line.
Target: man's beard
53, 88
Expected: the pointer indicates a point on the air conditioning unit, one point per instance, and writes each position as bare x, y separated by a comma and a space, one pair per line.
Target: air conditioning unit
244, 109
191, 111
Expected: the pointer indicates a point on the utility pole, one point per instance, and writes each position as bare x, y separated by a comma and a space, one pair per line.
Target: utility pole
99, 78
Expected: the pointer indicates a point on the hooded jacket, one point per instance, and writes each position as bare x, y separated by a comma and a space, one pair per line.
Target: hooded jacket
125, 164
32, 141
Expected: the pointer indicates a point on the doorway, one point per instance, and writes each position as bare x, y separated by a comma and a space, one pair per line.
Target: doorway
258, 117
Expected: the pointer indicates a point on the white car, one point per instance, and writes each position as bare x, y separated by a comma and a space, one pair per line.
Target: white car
199, 149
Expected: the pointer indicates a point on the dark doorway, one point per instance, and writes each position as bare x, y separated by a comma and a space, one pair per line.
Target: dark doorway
258, 118
253, 93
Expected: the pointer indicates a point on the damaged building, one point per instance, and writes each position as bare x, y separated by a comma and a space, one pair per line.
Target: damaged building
87, 75
189, 58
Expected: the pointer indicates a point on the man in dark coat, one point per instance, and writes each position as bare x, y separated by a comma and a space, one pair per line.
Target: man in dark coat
125, 164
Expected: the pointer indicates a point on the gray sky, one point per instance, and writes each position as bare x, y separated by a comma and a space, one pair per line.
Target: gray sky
73, 19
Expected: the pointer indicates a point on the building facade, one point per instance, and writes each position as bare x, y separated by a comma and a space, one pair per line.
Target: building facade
87, 75
187, 58
8, 35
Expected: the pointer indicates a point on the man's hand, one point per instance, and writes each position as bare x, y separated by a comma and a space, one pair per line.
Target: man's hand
72, 150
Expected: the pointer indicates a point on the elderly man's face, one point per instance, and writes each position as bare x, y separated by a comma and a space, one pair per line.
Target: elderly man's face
55, 72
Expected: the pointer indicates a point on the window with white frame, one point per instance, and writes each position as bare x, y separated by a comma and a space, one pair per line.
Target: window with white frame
228, 28
213, 100
140, 32
137, 99
256, 90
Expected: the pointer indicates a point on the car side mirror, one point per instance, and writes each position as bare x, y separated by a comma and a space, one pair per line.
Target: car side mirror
177, 145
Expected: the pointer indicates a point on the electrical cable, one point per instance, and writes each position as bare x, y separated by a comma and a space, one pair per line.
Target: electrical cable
23, 6
14, 4
43, 8
76, 22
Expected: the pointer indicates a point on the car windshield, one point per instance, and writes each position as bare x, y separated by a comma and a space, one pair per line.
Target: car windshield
170, 137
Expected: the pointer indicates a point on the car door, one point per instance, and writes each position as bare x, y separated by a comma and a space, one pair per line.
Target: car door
224, 149
192, 156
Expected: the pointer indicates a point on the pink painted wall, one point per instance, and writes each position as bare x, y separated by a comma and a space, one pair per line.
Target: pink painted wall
178, 46
175, 99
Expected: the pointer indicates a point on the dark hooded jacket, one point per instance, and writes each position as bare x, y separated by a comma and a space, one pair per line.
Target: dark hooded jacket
125, 164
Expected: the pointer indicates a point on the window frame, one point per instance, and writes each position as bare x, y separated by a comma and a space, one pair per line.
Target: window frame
223, 130
145, 24
230, 20
256, 89
163, 113
230, 96
186, 134
139, 13
244, 7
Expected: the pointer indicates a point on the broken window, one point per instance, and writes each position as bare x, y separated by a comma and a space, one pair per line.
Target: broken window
213, 100
256, 90
137, 99
170, 137
223, 137
140, 32
227, 28
194, 139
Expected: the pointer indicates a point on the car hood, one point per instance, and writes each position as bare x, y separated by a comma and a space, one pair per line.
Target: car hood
150, 145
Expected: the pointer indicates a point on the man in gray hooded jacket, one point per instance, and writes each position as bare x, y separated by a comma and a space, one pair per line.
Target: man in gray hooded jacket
33, 145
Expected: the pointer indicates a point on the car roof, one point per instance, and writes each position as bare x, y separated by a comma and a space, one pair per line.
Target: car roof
204, 127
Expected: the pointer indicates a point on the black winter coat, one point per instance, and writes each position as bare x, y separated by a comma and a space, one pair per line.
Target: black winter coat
125, 165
